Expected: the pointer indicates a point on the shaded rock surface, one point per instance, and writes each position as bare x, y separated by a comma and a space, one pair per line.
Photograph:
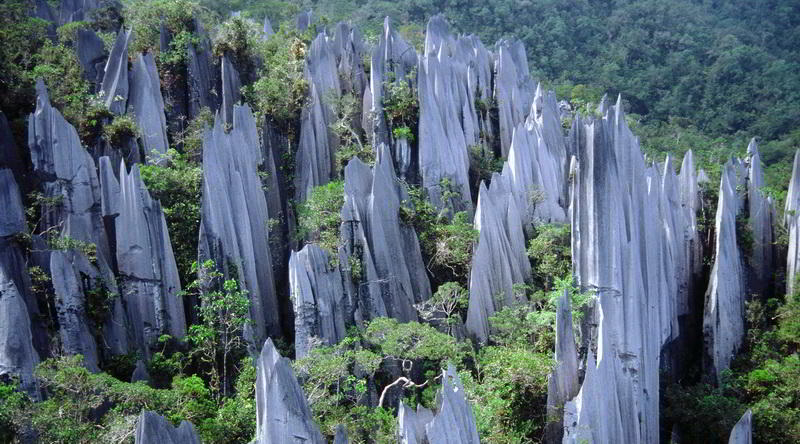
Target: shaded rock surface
17, 354
92, 56
68, 173
283, 415
334, 68
499, 260
152, 428
742, 432
625, 250
115, 75
452, 422
320, 306
393, 275
234, 225
147, 105
146, 264
513, 89
724, 313
792, 221
231, 84
563, 383
760, 214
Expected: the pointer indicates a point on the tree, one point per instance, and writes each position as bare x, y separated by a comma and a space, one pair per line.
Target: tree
223, 312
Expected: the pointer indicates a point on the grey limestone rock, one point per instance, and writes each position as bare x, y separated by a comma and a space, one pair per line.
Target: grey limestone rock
283, 415
140, 373
341, 435
451, 423
67, 171
742, 432
76, 337
149, 275
147, 105
10, 156
231, 84
513, 89
499, 260
760, 221
303, 20
563, 383
320, 306
12, 217
75, 10
792, 222
18, 357
115, 75
152, 428
627, 239
393, 60
393, 274
92, 55
449, 121
200, 78
723, 316
266, 29
234, 225
792, 207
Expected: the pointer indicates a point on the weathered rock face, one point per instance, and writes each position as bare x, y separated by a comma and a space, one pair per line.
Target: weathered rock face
334, 67
625, 220
341, 435
320, 306
75, 10
452, 76
149, 275
742, 432
393, 276
723, 316
92, 55
202, 78
513, 89
792, 221
9, 154
283, 415
393, 60
147, 105
152, 428
68, 172
12, 219
499, 260
234, 225
453, 421
691, 203
231, 84
563, 383
303, 20
115, 76
266, 29
760, 213
17, 354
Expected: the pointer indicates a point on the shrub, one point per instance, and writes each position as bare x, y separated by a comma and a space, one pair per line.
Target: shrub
551, 253
177, 183
318, 219
120, 130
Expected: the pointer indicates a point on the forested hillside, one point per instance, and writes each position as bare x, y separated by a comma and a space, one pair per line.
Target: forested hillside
258, 221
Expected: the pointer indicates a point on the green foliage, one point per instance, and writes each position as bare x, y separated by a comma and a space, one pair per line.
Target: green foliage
446, 307
120, 130
318, 217
240, 39
482, 163
335, 378
403, 132
509, 395
550, 251
68, 33
401, 105
446, 244
145, 17
347, 110
191, 138
177, 184
281, 89
223, 313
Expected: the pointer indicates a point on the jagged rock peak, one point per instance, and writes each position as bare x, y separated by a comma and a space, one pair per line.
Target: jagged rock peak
147, 105
513, 90
563, 383
793, 195
499, 260
760, 222
115, 78
152, 428
17, 354
742, 432
145, 260
723, 316
320, 307
283, 415
394, 276
234, 224
453, 421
